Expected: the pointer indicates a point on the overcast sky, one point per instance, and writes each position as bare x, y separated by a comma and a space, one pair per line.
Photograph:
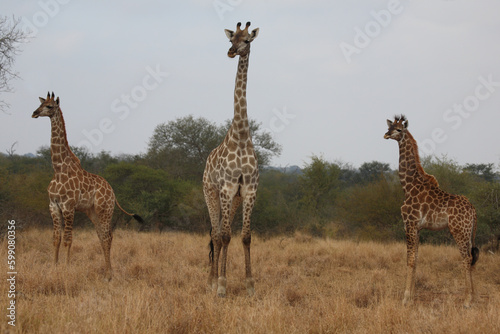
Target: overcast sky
323, 77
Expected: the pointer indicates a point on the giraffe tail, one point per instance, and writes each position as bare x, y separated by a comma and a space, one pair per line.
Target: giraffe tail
136, 217
211, 245
474, 251
475, 255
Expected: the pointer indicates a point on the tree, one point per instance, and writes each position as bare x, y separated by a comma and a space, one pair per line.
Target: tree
146, 190
93, 163
372, 210
319, 184
182, 146
373, 171
449, 174
484, 171
10, 37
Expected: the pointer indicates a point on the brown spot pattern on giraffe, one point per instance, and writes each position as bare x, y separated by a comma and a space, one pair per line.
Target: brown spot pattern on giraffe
72, 188
427, 206
231, 172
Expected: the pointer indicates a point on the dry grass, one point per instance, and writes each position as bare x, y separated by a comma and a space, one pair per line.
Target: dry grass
303, 285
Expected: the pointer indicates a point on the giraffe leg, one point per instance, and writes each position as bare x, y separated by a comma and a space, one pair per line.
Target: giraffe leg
226, 200
465, 247
102, 223
106, 237
246, 238
213, 205
214, 269
68, 231
469, 290
411, 263
57, 219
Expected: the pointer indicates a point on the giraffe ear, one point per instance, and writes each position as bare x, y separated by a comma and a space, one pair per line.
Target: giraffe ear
57, 101
42, 100
229, 33
389, 123
405, 124
254, 34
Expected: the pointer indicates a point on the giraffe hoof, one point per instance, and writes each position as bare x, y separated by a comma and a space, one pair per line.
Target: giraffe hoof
221, 290
250, 287
212, 286
251, 292
406, 299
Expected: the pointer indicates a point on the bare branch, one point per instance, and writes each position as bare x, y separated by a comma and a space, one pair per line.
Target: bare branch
11, 36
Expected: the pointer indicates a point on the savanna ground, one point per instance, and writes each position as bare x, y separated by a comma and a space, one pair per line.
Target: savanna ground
303, 285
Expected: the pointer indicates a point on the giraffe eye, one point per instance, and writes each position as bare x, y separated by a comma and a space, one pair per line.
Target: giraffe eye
50, 107
247, 42
398, 130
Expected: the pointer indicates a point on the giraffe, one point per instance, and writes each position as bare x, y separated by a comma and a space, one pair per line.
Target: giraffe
427, 206
231, 173
73, 188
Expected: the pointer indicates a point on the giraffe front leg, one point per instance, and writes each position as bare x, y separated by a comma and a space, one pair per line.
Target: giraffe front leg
246, 238
226, 201
213, 205
57, 219
214, 261
215, 268
222, 281
68, 231
411, 263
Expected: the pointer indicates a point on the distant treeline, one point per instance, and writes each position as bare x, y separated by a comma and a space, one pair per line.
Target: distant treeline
324, 199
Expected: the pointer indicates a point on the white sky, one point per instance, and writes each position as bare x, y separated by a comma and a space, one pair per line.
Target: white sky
427, 59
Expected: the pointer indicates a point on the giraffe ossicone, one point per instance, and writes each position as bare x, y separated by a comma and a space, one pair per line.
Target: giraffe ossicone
73, 188
231, 173
426, 206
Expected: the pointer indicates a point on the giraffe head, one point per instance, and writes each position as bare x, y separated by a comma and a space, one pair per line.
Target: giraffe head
397, 129
240, 40
48, 106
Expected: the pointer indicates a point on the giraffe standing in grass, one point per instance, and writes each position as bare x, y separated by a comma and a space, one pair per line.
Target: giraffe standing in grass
231, 174
427, 206
72, 188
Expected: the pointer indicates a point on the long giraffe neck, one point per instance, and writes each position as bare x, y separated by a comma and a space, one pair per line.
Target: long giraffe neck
240, 129
60, 151
410, 168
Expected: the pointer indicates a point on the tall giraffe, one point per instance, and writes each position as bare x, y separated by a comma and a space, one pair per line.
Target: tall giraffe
73, 188
231, 174
427, 206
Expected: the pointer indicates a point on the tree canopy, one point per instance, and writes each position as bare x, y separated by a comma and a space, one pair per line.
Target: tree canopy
182, 146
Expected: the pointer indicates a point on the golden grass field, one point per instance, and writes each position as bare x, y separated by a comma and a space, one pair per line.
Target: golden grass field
303, 285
